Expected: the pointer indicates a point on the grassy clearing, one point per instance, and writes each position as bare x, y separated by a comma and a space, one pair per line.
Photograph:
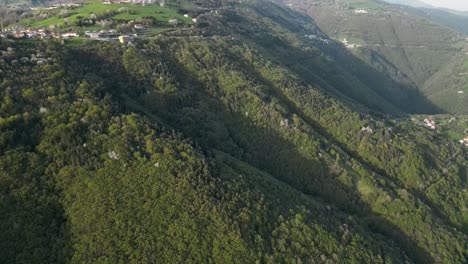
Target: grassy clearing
454, 135
154, 31
135, 12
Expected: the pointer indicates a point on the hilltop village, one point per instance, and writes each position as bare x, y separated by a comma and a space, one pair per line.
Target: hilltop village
121, 20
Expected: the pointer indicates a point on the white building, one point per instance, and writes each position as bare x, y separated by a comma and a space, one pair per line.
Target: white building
360, 11
430, 123
70, 35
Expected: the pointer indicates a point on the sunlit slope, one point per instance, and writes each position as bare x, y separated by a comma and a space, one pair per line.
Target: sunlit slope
407, 47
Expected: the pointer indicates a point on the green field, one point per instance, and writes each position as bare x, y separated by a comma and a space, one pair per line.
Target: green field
135, 12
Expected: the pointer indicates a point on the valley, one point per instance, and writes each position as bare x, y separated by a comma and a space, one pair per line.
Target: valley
420, 49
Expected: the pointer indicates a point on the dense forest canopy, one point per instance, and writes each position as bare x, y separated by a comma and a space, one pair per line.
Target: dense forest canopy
238, 140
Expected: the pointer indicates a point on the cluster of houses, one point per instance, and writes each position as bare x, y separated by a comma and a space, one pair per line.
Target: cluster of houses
42, 33
194, 20
360, 11
17, 32
21, 32
103, 34
367, 129
430, 123
37, 33
349, 45
109, 35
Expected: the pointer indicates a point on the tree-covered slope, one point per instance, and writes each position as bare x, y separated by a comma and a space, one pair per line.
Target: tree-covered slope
203, 146
448, 18
410, 47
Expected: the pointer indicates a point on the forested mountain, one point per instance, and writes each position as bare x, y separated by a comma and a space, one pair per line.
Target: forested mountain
393, 39
251, 137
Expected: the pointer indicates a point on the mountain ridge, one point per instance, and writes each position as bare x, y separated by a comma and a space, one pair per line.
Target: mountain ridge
411, 44
212, 144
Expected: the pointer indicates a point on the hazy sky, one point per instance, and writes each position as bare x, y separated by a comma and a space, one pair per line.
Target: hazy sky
453, 4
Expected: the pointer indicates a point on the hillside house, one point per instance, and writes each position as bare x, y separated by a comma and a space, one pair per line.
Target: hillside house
360, 11
18, 35
31, 34
103, 35
367, 129
139, 27
430, 123
124, 39
349, 45
70, 35
92, 34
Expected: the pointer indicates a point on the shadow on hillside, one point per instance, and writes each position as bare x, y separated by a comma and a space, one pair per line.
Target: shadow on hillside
345, 74
294, 108
269, 151
33, 228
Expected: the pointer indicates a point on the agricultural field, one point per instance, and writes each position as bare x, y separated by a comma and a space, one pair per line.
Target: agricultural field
78, 19
455, 128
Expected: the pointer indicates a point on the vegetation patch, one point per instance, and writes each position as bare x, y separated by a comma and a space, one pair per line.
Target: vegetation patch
95, 15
